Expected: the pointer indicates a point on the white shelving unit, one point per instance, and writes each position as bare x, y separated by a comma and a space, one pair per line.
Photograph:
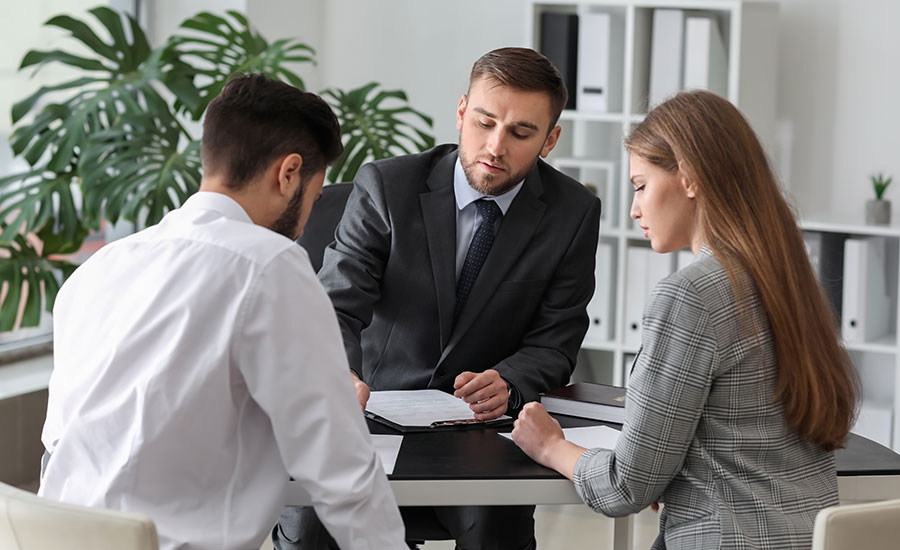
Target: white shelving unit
590, 150
590, 147
877, 360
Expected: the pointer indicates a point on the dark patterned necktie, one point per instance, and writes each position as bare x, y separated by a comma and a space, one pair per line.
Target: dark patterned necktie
478, 251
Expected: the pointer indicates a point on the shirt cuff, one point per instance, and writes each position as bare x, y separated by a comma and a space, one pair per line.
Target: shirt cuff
515, 398
585, 470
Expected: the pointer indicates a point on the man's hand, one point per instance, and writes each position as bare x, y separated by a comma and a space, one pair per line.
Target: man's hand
362, 390
485, 392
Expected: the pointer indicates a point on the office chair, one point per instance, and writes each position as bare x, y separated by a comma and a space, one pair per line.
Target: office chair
858, 526
29, 522
323, 220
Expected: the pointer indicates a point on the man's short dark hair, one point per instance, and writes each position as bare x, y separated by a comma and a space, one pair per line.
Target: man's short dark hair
257, 119
524, 69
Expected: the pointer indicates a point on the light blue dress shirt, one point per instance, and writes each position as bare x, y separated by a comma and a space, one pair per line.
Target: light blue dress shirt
467, 217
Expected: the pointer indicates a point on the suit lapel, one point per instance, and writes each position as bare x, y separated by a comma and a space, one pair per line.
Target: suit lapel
516, 230
439, 213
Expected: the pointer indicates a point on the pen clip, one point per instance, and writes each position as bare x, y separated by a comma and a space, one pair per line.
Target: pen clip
441, 423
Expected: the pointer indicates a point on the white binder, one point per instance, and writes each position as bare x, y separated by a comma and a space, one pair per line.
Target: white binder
705, 58
593, 62
599, 309
645, 268
865, 313
666, 54
637, 259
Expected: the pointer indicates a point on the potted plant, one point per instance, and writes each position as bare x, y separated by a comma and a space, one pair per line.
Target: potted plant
878, 210
113, 143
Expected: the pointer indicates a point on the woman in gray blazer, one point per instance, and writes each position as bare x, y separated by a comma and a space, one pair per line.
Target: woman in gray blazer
741, 391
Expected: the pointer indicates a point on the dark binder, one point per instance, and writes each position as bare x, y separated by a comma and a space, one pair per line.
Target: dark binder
559, 44
587, 400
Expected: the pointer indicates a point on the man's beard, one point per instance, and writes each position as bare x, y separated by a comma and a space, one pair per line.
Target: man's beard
286, 224
490, 184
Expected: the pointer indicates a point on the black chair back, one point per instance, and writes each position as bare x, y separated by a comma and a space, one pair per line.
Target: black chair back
323, 220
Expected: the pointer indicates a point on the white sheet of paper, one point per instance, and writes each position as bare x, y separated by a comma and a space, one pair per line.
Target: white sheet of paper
418, 407
589, 437
387, 447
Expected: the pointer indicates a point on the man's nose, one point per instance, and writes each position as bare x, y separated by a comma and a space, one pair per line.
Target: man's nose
496, 143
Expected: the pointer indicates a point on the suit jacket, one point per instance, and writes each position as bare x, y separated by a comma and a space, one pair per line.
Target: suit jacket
391, 274
704, 433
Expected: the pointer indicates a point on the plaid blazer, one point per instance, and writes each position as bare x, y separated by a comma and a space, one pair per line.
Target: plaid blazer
703, 433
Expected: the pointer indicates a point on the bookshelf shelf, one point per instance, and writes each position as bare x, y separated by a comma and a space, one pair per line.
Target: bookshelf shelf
877, 359
591, 151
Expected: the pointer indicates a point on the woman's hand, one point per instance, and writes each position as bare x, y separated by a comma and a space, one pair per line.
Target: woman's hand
540, 437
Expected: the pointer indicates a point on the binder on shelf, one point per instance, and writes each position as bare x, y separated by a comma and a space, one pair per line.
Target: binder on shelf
600, 61
636, 260
826, 257
599, 309
587, 400
645, 268
865, 314
666, 49
559, 44
705, 58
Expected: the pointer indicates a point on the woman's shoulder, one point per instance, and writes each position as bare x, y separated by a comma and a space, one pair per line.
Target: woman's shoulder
705, 278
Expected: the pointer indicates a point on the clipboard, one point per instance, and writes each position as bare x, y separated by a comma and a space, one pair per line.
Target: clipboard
442, 425
424, 411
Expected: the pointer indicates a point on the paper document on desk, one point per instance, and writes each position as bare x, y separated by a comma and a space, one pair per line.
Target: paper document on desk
589, 437
387, 447
419, 408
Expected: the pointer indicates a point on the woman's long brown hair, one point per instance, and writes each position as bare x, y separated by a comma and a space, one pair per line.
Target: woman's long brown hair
750, 227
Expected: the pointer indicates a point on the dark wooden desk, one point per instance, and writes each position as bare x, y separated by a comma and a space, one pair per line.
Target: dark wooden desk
477, 466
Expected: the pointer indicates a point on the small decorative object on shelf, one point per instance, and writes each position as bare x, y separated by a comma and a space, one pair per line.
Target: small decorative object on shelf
878, 210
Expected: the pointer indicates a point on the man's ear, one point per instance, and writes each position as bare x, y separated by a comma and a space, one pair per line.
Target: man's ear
289, 174
551, 141
461, 110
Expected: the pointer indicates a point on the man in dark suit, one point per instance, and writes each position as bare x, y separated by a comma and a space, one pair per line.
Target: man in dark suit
468, 269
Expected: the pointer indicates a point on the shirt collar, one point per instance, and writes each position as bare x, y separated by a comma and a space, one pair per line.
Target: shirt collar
225, 205
466, 195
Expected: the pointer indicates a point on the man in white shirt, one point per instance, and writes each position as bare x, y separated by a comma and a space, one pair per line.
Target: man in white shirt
198, 363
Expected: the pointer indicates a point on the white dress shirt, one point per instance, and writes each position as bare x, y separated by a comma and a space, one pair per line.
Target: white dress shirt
467, 217
196, 364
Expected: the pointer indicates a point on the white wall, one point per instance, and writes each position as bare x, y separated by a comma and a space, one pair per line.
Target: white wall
838, 91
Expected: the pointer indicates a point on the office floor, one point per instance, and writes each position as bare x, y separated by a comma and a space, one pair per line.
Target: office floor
573, 527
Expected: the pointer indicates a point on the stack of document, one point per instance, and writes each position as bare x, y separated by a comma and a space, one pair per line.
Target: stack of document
417, 410
589, 437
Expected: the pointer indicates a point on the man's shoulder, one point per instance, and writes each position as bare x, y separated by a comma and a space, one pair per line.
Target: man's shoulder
417, 163
220, 237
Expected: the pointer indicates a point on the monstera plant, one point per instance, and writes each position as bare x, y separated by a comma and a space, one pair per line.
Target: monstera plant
114, 143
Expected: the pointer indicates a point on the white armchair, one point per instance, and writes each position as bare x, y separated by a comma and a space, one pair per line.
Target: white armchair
28, 522
858, 526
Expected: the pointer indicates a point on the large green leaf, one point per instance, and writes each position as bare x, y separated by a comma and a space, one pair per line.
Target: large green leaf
30, 276
224, 46
121, 79
30, 200
375, 124
140, 169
